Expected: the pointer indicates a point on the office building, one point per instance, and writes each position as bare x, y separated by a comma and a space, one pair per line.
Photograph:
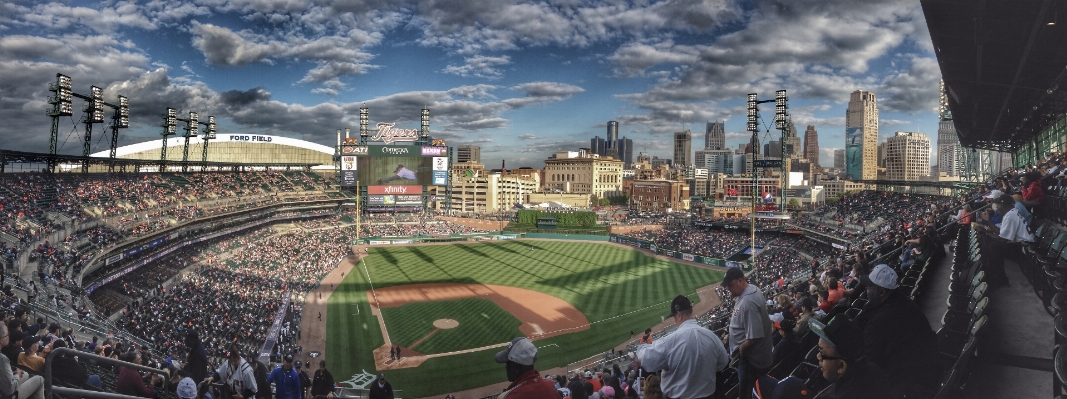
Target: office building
582, 172
861, 136
773, 149
791, 144
468, 153
839, 159
811, 146
683, 149
907, 156
715, 136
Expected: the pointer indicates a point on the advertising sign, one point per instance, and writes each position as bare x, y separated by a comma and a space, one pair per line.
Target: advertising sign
348, 171
395, 190
354, 150
434, 151
395, 165
854, 152
440, 163
394, 200
440, 178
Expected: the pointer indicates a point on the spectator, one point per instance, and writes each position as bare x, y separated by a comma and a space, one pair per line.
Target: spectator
19, 382
29, 357
518, 359
196, 362
577, 389
260, 371
1003, 240
652, 388
305, 381
841, 359
750, 330
187, 389
285, 379
66, 368
689, 357
896, 335
382, 389
647, 338
237, 375
129, 380
14, 346
323, 383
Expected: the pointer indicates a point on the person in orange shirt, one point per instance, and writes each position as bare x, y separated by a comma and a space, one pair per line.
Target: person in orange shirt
647, 338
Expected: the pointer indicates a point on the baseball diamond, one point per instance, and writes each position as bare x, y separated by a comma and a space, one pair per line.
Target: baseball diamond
573, 299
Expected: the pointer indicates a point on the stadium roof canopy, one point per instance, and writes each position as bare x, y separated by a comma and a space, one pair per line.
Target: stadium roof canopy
1003, 62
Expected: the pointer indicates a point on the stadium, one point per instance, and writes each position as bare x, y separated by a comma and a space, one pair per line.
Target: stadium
171, 256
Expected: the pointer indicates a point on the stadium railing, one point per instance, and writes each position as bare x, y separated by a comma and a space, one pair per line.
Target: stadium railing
51, 389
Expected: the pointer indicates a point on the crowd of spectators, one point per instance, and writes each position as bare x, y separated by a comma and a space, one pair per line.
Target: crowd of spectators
712, 243
235, 299
430, 228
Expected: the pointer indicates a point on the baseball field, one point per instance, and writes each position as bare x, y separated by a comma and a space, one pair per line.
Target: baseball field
451, 307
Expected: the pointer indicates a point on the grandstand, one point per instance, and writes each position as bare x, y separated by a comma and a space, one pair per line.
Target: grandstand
243, 257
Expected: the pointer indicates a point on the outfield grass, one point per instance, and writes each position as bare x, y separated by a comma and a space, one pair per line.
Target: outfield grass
604, 282
481, 323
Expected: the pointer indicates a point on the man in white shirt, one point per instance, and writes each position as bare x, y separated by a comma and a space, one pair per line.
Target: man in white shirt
1004, 240
689, 357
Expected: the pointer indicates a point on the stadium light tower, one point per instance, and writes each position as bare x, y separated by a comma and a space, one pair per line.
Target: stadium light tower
192, 128
94, 113
120, 119
781, 122
364, 124
753, 126
170, 127
61, 106
209, 134
424, 132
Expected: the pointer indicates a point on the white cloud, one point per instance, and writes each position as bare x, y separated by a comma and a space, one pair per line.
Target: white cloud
479, 66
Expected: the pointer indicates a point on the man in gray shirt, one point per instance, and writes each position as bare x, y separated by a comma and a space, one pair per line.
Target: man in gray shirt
688, 358
750, 331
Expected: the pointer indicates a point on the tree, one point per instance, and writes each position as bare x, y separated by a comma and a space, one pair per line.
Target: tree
605, 202
794, 203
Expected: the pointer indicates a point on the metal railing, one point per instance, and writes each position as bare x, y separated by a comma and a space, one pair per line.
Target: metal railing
50, 390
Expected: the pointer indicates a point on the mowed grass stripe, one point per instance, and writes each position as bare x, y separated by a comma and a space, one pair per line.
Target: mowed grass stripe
481, 323
601, 280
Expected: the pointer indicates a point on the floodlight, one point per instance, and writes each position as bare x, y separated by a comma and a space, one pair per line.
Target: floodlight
64, 81
211, 128
193, 125
169, 121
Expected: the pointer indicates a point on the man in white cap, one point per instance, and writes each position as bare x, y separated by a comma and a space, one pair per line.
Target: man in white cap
526, 382
187, 389
896, 335
689, 357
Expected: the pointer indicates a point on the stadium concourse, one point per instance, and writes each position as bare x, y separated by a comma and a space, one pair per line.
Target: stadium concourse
232, 288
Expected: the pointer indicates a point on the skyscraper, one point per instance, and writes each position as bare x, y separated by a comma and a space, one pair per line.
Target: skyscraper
715, 136
791, 145
625, 149
948, 142
861, 136
907, 156
598, 146
468, 153
811, 146
612, 140
839, 159
772, 149
683, 149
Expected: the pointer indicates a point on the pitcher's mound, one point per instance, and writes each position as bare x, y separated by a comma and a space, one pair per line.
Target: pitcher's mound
445, 324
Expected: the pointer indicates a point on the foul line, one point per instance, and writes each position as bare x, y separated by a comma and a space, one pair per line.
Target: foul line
375, 294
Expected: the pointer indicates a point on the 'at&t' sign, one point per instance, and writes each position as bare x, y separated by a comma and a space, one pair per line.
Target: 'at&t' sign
241, 137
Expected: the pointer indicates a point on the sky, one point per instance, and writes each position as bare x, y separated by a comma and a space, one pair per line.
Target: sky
521, 79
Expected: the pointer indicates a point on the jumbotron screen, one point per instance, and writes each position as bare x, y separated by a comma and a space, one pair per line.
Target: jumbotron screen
393, 165
395, 171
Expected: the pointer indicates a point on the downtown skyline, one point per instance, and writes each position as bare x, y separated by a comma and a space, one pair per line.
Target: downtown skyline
521, 79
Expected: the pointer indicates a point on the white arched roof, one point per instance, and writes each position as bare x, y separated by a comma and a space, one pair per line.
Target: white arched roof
250, 139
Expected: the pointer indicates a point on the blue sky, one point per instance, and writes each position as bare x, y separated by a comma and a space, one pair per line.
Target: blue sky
523, 79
